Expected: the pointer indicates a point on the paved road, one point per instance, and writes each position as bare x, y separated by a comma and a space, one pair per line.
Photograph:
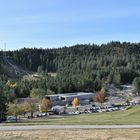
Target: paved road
41, 127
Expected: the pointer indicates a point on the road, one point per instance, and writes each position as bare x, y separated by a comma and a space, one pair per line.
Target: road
42, 127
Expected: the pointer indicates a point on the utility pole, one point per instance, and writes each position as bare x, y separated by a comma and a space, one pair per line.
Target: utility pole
5, 49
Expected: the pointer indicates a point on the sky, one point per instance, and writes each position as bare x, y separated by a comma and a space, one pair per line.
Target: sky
58, 23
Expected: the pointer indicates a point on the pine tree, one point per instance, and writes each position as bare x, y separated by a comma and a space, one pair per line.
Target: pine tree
3, 107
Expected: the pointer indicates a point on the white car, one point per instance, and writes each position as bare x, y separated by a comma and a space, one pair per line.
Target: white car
11, 118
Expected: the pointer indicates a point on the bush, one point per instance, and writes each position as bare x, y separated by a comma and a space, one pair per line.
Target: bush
128, 107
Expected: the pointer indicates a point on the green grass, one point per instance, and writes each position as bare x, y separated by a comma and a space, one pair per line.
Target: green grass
131, 116
125, 117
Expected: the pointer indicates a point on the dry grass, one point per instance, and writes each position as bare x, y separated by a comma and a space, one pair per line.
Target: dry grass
73, 134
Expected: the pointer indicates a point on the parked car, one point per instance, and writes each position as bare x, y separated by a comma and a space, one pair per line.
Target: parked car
42, 115
50, 113
11, 119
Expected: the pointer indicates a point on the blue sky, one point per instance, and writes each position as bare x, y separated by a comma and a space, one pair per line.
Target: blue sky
58, 23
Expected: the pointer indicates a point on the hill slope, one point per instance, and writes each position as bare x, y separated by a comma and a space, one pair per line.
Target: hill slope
10, 69
79, 68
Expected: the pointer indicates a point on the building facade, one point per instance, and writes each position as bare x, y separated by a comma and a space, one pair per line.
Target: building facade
67, 98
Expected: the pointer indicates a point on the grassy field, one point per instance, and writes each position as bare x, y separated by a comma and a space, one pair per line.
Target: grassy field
131, 116
73, 134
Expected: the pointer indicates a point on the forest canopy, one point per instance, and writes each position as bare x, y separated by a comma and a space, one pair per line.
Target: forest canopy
83, 67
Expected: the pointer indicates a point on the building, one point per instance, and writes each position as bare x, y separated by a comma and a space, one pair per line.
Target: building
67, 98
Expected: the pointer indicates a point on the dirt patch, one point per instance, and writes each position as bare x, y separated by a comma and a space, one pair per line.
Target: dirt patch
73, 134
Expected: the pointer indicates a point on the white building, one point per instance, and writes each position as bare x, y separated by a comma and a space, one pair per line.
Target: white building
67, 98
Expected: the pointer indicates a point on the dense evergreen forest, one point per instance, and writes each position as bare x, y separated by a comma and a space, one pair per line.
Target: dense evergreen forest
83, 67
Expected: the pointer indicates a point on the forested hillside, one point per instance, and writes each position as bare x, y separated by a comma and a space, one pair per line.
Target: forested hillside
80, 67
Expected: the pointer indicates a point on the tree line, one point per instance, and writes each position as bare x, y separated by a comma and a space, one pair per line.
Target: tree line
83, 67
